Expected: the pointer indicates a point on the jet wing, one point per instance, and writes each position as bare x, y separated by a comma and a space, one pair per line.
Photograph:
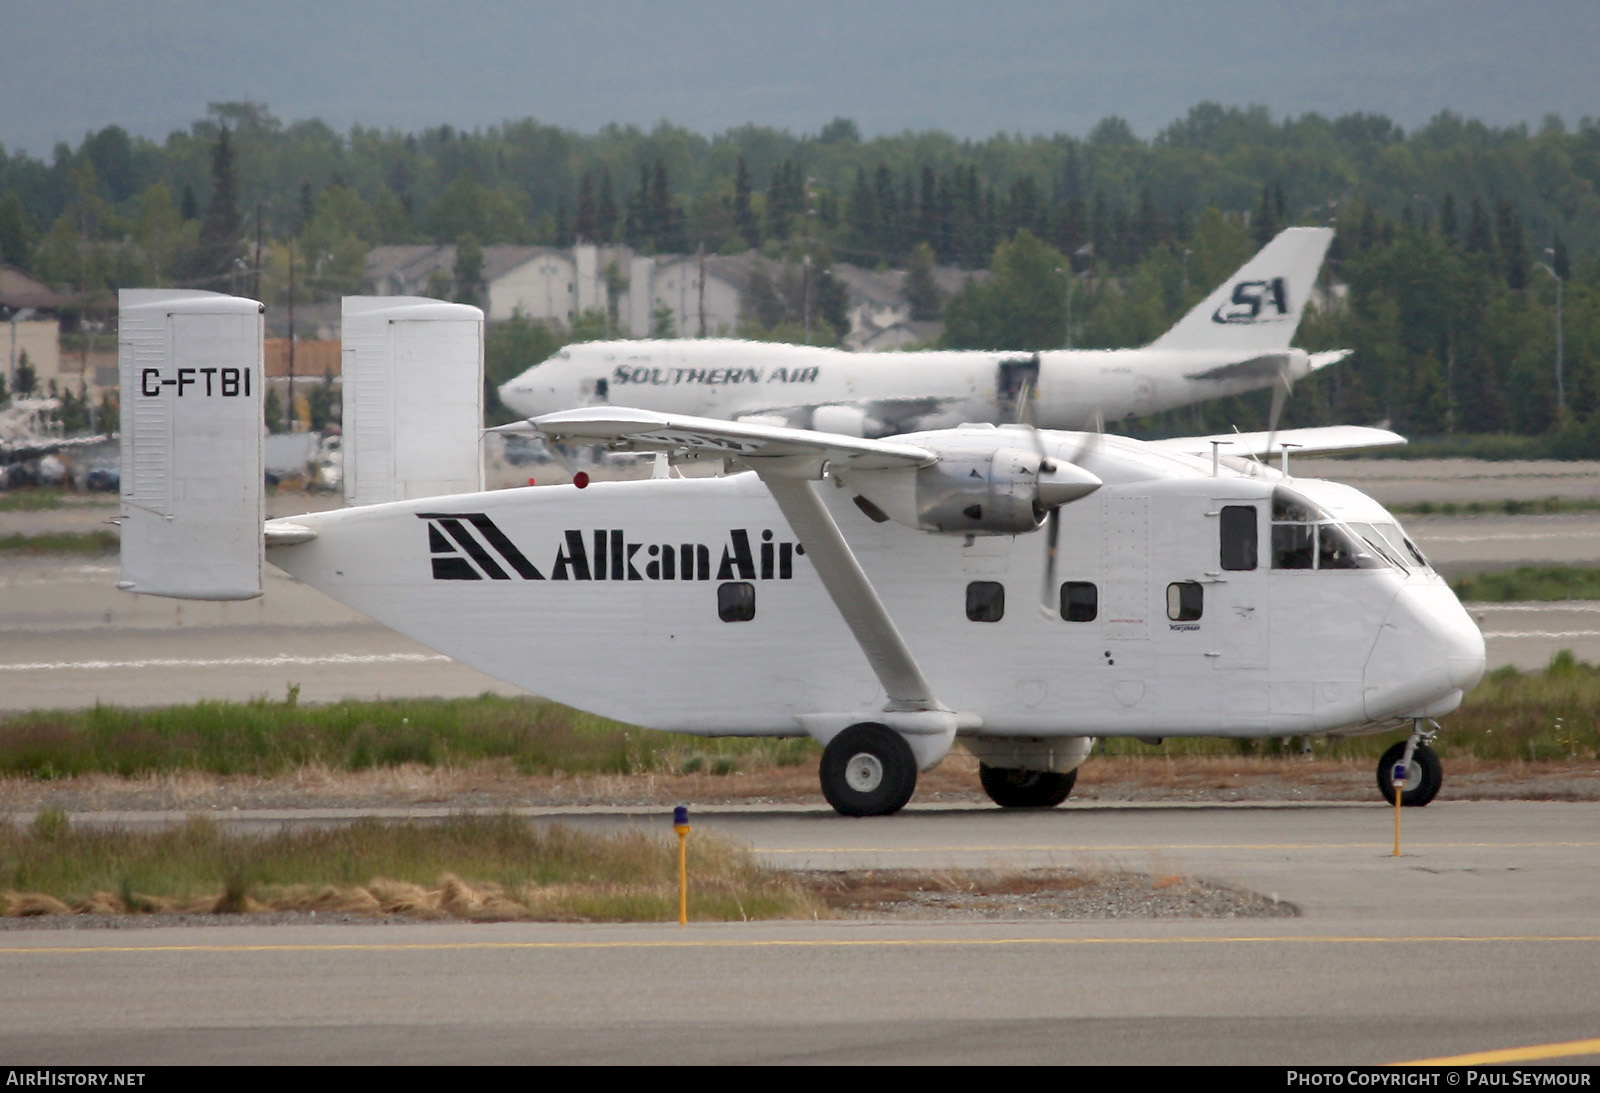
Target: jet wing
1329, 438
627, 429
15, 451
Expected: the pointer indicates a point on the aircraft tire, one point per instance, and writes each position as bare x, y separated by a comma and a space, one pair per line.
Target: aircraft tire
1011, 787
1422, 781
868, 770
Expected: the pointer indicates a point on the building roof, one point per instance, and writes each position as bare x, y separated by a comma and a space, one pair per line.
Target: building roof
18, 290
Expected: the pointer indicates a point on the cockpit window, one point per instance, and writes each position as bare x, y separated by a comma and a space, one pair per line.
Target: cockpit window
1375, 539
1338, 548
1305, 536
1294, 546
1288, 506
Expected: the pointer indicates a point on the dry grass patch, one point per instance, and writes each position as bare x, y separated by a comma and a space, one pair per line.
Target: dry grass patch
465, 867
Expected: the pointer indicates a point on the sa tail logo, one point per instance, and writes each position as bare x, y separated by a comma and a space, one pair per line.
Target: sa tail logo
1249, 297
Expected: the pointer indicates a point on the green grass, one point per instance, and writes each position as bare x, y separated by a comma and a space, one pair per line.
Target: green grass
1537, 506
1512, 715
478, 867
266, 738
31, 500
1530, 583
62, 542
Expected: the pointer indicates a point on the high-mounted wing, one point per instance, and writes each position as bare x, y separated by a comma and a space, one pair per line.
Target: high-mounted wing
785, 459
800, 452
1322, 440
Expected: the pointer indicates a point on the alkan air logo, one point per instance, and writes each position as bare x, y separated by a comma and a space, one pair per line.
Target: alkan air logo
468, 546
1251, 298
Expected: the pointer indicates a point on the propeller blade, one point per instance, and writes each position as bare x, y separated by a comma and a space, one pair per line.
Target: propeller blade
1024, 404
1280, 395
1052, 534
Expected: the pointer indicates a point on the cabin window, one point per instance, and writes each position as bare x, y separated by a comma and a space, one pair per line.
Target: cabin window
1185, 601
1080, 601
1238, 537
736, 601
986, 601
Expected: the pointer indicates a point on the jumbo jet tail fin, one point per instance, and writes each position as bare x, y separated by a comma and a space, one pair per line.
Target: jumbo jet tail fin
192, 382
413, 398
1260, 306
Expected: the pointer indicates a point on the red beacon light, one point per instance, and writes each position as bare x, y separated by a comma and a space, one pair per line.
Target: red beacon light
581, 479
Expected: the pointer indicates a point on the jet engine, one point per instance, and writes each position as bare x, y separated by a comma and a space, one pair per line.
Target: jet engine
973, 491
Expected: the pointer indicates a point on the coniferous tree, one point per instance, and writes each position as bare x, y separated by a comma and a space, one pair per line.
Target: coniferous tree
1513, 246
1480, 236
928, 212
584, 222
744, 216
605, 220
221, 231
563, 234
921, 292
308, 207
1268, 218
1448, 226
14, 233
1559, 262
469, 270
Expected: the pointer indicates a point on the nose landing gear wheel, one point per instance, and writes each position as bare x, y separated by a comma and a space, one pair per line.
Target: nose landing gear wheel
868, 770
1015, 788
1423, 777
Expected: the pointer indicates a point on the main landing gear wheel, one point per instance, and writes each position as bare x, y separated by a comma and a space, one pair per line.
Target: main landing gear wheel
1423, 777
1010, 787
868, 770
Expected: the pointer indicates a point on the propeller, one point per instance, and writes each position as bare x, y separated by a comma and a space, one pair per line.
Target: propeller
1280, 396
1051, 496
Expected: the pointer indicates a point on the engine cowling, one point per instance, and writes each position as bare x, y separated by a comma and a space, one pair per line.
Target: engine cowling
975, 491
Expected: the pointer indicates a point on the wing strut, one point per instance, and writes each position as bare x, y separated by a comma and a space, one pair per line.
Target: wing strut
851, 591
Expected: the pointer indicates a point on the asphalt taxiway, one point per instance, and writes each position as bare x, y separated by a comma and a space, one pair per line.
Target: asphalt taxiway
1481, 936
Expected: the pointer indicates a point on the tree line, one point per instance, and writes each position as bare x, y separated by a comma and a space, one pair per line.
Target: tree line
1453, 238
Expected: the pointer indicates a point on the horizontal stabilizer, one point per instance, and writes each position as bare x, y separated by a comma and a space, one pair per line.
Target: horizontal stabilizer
413, 398
1324, 439
1327, 357
192, 382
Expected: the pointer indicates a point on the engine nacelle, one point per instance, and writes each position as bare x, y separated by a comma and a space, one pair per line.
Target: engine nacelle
974, 491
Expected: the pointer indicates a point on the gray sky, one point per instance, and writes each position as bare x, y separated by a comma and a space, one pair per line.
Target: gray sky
151, 66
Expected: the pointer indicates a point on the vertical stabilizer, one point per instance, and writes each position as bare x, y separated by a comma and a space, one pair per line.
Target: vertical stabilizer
1259, 307
190, 366
413, 398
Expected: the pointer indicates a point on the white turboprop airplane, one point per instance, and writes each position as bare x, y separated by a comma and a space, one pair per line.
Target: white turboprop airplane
1021, 590
1234, 341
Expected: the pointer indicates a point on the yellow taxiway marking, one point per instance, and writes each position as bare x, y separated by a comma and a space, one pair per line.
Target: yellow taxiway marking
1512, 1055
1022, 847
780, 943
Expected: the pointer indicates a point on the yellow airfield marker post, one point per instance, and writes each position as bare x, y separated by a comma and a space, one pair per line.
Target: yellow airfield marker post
680, 824
1399, 779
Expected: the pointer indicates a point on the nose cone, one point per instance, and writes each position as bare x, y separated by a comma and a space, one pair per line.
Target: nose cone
1429, 653
526, 397
1064, 482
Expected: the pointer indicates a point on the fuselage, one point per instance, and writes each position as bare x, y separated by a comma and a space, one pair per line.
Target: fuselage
880, 394
1184, 604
